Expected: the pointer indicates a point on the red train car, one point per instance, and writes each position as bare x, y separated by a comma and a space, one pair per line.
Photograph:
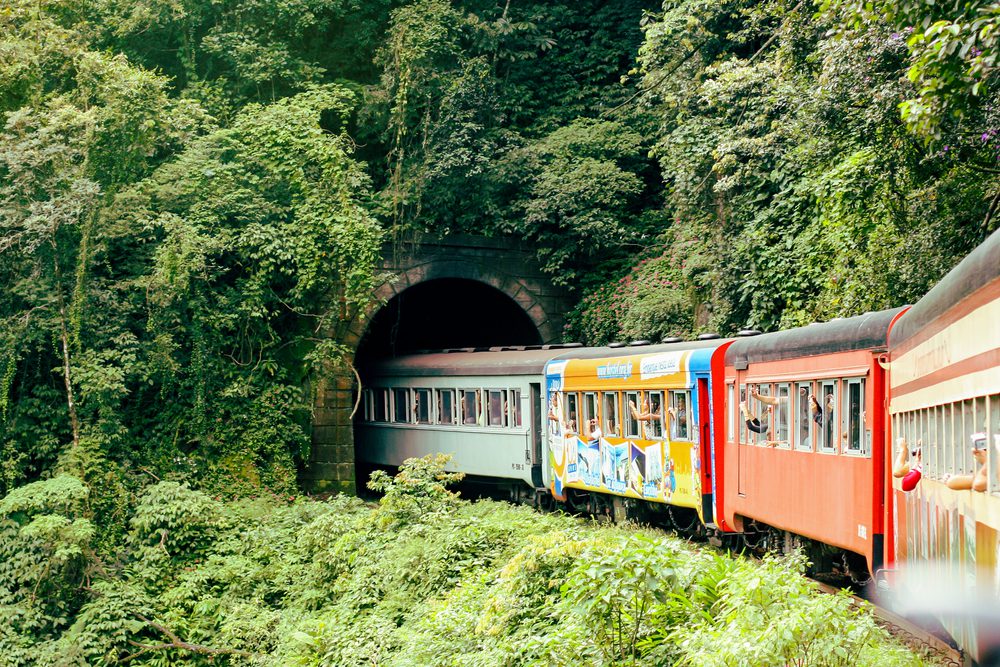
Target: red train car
804, 439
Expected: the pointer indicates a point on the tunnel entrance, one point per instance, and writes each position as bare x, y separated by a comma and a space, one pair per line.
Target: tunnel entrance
445, 313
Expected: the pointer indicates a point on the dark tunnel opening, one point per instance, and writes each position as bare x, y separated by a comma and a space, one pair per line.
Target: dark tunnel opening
445, 313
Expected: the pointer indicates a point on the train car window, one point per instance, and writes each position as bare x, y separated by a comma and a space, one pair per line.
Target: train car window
940, 438
731, 412
853, 419
589, 412
496, 407
765, 413
609, 409
401, 406
652, 426
993, 446
979, 421
782, 416
679, 415
572, 413
381, 405
368, 405
804, 415
632, 400
422, 405
445, 406
965, 438
472, 412
554, 414
828, 439
515, 407
744, 439
930, 437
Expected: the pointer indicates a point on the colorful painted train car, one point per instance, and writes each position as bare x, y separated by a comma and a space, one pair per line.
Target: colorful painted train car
635, 424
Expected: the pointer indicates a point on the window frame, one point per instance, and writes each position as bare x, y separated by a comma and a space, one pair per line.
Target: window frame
402, 396
855, 443
382, 400
993, 443
500, 395
427, 402
731, 416
571, 406
611, 425
476, 407
515, 417
830, 416
632, 425
782, 434
763, 413
675, 433
656, 423
744, 432
439, 406
804, 415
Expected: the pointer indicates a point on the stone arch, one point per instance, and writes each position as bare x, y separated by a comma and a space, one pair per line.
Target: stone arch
501, 264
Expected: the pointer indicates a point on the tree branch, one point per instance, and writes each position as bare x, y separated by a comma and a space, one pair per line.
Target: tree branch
178, 643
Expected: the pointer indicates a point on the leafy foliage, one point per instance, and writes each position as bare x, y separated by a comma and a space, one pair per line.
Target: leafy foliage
280, 580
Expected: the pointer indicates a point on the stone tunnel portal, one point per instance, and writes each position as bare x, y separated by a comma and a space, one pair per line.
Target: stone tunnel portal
460, 291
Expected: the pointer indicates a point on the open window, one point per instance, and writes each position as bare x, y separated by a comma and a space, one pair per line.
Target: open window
572, 415
632, 401
472, 412
612, 425
680, 415
782, 414
445, 406
590, 420
853, 417
368, 405
422, 405
496, 412
828, 439
652, 426
765, 413
744, 431
515, 408
381, 407
993, 443
401, 405
804, 416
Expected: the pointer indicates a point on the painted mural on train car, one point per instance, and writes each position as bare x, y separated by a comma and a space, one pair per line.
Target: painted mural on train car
626, 426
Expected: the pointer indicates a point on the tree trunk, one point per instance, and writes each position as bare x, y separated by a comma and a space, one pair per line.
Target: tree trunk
64, 336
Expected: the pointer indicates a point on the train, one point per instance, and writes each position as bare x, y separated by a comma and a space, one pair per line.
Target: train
871, 442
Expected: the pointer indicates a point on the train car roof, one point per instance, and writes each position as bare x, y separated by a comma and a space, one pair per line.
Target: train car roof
868, 331
466, 362
637, 350
497, 361
979, 268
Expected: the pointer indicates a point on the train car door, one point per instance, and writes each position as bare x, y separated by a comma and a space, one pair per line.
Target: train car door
535, 441
704, 450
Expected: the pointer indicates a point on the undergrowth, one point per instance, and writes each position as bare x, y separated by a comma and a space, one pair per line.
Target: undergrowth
422, 579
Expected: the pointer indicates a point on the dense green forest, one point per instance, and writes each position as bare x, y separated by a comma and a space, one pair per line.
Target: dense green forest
193, 196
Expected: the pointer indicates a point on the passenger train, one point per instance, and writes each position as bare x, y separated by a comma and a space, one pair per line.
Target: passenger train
796, 438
